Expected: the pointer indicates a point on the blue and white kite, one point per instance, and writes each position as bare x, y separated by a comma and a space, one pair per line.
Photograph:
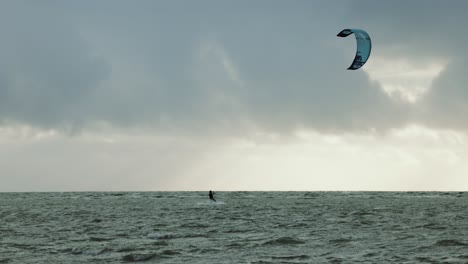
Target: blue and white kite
364, 46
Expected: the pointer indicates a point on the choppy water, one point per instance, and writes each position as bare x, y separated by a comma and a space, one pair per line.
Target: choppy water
247, 227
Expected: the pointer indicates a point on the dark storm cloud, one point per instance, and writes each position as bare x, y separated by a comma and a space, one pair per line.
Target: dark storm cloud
286, 58
47, 73
414, 28
210, 65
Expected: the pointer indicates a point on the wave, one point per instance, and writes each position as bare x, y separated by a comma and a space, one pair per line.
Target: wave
292, 257
194, 235
235, 245
99, 239
432, 226
105, 251
194, 225
160, 243
127, 249
284, 241
450, 243
204, 250
341, 241
169, 252
159, 236
139, 257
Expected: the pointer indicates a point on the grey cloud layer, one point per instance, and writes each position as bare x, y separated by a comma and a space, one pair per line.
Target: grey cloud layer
210, 65
424, 30
46, 72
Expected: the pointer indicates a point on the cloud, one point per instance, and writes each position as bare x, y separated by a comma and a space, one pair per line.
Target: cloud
221, 68
446, 104
47, 74
416, 29
426, 34
267, 67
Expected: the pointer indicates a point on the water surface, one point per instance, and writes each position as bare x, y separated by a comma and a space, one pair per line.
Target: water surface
244, 227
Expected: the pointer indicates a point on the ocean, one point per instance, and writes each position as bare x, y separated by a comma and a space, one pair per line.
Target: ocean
242, 227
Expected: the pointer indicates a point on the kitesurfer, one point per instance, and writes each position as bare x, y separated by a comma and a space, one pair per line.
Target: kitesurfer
210, 194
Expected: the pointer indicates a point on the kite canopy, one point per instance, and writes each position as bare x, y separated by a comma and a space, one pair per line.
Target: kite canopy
363, 46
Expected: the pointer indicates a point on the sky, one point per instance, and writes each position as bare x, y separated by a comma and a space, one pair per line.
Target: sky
176, 95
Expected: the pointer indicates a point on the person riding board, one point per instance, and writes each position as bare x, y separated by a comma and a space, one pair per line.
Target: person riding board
210, 194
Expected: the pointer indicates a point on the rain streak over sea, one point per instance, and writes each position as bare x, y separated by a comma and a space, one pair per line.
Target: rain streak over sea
242, 227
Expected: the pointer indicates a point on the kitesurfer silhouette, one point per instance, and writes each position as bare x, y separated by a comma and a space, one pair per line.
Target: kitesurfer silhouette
210, 194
